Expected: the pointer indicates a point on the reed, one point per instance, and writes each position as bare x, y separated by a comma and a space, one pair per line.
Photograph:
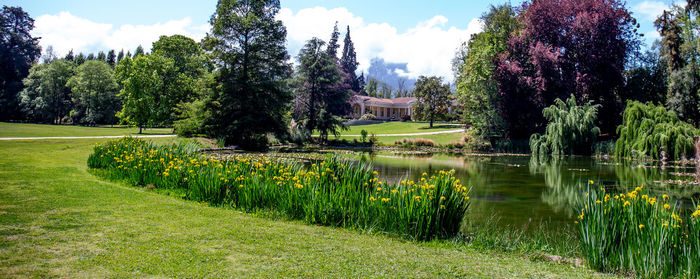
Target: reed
331, 192
652, 237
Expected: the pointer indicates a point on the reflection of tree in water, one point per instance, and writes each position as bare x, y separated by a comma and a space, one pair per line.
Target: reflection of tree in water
566, 189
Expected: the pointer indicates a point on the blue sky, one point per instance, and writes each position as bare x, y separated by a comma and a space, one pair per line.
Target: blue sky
422, 33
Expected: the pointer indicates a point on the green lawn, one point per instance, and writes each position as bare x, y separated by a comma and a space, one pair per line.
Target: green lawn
43, 130
439, 138
396, 127
58, 220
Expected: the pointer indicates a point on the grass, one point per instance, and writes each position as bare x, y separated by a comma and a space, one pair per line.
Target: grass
43, 130
57, 220
441, 139
396, 127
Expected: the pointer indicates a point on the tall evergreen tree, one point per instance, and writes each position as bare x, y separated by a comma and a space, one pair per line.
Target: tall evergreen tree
120, 56
361, 84
333, 42
111, 58
80, 59
18, 51
348, 63
70, 56
101, 56
90, 57
139, 51
321, 94
251, 99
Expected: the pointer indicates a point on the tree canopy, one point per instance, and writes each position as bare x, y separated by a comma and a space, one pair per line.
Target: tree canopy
251, 100
94, 94
18, 51
433, 98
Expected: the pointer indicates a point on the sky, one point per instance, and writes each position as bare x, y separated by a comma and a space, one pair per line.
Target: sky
423, 34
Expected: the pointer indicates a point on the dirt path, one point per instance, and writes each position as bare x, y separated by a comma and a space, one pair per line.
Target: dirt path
91, 137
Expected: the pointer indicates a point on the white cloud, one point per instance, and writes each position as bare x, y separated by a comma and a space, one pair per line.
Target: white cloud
427, 48
66, 31
650, 9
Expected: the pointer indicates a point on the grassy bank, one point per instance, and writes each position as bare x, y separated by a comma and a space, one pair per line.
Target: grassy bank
57, 220
396, 127
43, 130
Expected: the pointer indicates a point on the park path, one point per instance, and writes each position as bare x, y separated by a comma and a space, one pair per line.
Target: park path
410, 134
91, 137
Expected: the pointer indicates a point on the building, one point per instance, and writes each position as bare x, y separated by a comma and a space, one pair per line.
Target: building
387, 109
384, 109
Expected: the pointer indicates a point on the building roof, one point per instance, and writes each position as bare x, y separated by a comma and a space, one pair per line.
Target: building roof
383, 101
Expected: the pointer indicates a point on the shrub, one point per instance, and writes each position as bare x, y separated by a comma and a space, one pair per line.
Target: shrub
405, 118
368, 116
332, 192
363, 135
647, 130
571, 129
417, 142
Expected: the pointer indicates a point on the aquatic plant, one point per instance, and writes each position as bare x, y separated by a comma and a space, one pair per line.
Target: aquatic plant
647, 130
571, 129
332, 192
652, 237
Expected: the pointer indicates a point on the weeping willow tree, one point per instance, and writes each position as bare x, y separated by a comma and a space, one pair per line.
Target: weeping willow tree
571, 129
648, 130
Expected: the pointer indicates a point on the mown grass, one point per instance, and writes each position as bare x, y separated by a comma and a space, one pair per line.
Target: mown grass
396, 127
57, 220
44, 130
651, 237
441, 139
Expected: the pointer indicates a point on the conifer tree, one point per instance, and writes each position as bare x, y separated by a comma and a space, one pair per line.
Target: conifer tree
348, 63
333, 43
139, 51
70, 57
111, 58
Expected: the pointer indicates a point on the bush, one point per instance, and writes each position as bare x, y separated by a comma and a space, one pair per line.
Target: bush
417, 142
191, 119
368, 116
363, 135
647, 130
332, 192
571, 129
405, 118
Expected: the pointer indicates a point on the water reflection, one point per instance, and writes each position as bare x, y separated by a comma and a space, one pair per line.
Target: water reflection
519, 190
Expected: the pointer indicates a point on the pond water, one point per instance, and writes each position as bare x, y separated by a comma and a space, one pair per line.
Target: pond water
524, 193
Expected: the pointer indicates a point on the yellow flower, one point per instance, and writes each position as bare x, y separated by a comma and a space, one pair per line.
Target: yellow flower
665, 197
379, 189
641, 227
466, 198
394, 191
443, 198
666, 206
375, 173
386, 199
598, 202
442, 206
626, 203
665, 224
696, 213
590, 181
652, 201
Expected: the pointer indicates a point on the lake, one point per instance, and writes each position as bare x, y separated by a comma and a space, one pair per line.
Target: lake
522, 192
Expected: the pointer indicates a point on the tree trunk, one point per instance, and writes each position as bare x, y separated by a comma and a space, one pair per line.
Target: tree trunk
140, 129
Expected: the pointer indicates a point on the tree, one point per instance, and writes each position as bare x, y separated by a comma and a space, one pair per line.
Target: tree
94, 94
18, 51
48, 55
46, 96
678, 29
564, 47
90, 57
111, 58
70, 57
361, 84
80, 59
372, 87
321, 94
251, 100
646, 79
333, 43
433, 98
348, 64
475, 69
139, 51
571, 129
120, 56
148, 85
101, 56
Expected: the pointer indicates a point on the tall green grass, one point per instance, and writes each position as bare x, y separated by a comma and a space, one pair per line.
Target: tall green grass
652, 237
332, 192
